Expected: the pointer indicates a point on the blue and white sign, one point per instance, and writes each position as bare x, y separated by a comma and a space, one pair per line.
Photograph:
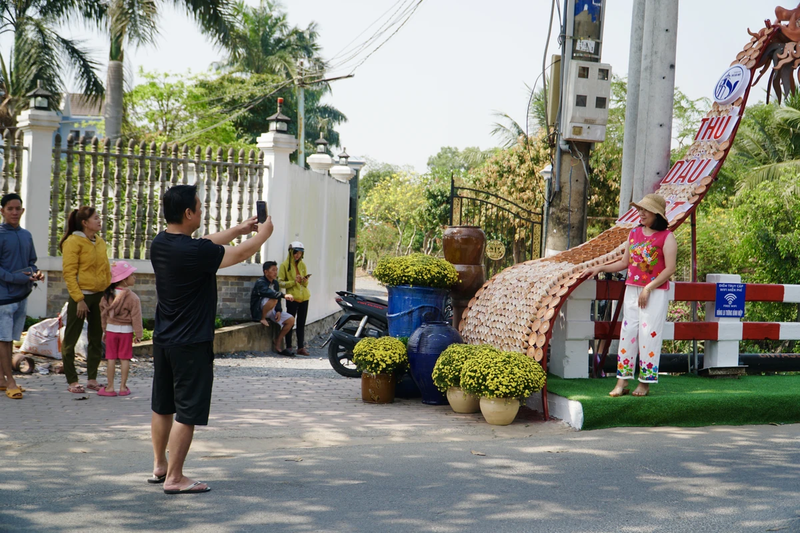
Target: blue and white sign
732, 85
730, 300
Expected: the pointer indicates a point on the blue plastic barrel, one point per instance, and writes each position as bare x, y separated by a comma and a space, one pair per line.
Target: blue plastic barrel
410, 306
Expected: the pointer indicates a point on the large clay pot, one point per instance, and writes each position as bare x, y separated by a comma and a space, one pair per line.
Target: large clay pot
464, 247
377, 388
424, 347
499, 411
463, 402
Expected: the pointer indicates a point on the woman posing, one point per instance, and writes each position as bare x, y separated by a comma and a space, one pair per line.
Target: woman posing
293, 277
86, 274
650, 259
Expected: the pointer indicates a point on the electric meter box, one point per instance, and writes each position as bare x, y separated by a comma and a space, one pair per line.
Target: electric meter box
587, 95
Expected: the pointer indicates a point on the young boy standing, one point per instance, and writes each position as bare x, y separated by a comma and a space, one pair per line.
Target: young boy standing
17, 273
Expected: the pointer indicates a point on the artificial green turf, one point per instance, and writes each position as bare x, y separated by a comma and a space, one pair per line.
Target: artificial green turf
686, 401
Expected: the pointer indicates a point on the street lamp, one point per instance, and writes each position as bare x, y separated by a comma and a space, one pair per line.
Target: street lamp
341, 171
39, 97
320, 161
279, 122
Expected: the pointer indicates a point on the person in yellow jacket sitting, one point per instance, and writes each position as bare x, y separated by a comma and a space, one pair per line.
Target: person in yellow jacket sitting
87, 274
293, 277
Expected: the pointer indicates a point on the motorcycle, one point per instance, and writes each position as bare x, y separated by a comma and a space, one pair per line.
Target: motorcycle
363, 317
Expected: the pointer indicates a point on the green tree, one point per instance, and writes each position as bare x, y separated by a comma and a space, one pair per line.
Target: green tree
396, 202
136, 22
40, 54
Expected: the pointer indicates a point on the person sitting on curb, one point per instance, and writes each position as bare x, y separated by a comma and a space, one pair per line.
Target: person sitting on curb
265, 304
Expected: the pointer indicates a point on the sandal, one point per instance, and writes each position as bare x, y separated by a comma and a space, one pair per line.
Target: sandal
124, 392
14, 394
623, 393
76, 389
104, 392
95, 387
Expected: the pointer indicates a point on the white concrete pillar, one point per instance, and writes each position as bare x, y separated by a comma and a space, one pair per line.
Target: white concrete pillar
277, 191
632, 106
657, 88
722, 353
570, 358
37, 160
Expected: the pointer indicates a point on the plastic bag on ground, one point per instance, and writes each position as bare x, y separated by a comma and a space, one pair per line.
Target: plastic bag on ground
42, 339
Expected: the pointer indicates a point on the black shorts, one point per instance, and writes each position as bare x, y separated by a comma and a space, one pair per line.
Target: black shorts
182, 381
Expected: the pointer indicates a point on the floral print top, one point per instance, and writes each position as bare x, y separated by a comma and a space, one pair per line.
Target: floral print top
646, 257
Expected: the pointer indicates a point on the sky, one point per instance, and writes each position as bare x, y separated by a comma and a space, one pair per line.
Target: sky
440, 79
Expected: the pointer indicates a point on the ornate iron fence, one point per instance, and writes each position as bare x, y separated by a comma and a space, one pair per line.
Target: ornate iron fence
513, 232
11, 173
125, 183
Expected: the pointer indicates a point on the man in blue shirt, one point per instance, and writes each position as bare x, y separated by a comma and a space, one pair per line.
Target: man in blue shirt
17, 273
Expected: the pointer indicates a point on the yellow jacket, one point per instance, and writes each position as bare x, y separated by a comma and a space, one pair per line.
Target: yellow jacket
85, 265
286, 277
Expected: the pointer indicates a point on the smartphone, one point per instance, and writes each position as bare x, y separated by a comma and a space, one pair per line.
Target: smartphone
261, 211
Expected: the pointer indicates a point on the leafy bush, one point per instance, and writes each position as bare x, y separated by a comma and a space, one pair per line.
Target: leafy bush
447, 371
383, 355
495, 374
417, 270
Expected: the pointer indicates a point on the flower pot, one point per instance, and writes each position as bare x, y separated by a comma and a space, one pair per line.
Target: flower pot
377, 388
463, 402
410, 306
499, 411
424, 347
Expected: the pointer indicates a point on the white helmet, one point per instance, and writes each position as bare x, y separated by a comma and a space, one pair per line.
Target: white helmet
297, 246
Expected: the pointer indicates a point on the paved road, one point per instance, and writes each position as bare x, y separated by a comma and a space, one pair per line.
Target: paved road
295, 450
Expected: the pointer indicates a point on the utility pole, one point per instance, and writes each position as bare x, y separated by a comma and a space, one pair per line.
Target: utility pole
583, 112
651, 88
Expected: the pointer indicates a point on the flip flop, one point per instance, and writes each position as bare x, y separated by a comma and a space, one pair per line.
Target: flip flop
190, 489
125, 392
156, 479
104, 392
95, 387
14, 394
76, 389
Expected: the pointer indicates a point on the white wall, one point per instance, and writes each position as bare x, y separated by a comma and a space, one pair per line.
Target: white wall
318, 217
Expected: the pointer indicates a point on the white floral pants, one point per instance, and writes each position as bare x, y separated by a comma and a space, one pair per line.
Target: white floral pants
641, 334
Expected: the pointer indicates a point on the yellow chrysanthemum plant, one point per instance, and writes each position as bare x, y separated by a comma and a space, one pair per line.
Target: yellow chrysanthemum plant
496, 374
416, 270
447, 371
384, 355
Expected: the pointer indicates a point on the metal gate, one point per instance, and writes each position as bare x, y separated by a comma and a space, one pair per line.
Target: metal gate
513, 233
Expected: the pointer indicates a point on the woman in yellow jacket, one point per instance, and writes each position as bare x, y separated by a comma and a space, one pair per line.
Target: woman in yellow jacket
293, 277
87, 274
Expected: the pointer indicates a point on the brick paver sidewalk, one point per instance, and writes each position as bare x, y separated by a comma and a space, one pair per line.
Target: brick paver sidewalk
279, 411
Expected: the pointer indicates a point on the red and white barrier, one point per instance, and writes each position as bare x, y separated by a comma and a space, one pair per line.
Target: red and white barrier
574, 327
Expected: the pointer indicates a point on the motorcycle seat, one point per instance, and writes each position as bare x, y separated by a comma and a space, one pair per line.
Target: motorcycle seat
373, 300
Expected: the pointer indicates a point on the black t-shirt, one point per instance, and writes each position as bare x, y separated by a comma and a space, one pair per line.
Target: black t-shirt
186, 287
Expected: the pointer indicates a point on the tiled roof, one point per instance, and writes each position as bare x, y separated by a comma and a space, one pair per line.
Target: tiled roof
81, 106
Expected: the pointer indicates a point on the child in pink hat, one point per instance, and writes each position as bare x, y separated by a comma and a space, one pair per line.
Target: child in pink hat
121, 315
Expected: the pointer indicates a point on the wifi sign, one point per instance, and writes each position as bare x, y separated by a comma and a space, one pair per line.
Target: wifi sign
730, 300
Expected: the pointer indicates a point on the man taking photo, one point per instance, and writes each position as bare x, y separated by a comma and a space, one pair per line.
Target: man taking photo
183, 338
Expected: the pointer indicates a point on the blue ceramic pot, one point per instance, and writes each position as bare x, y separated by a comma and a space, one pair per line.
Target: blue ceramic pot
424, 347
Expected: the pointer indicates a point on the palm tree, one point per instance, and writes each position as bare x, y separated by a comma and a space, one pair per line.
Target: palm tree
509, 131
264, 43
768, 143
136, 21
39, 53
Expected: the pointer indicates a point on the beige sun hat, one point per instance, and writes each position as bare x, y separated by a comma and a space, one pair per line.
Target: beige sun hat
653, 203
